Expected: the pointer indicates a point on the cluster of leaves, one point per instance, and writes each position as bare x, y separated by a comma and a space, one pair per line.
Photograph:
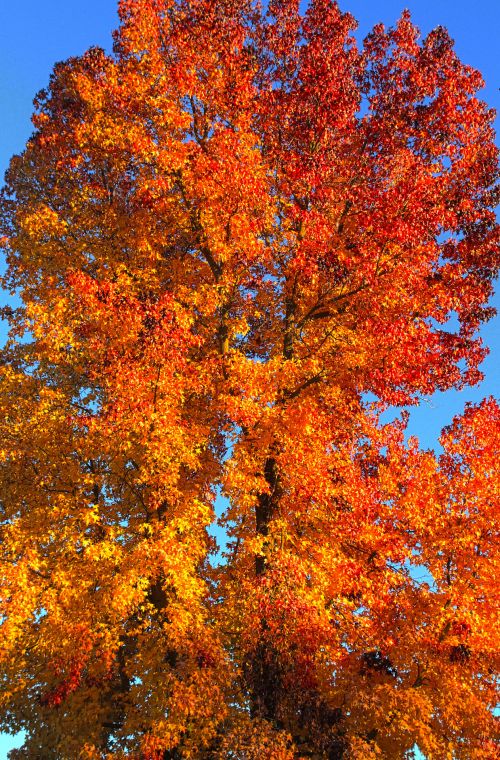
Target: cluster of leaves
227, 236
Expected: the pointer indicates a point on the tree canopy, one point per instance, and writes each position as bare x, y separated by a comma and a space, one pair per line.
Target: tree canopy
238, 239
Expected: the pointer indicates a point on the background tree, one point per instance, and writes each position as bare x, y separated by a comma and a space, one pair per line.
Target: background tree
237, 240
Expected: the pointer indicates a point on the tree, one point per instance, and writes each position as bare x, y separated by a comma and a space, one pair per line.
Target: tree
238, 239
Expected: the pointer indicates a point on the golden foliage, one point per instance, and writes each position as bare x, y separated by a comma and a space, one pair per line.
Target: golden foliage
228, 236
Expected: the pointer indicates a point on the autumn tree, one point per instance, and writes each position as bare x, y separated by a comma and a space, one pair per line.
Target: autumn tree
237, 240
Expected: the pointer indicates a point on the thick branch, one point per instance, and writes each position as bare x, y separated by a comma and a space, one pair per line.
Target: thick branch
266, 508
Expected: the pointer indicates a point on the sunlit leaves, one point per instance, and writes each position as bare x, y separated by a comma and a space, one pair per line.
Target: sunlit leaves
228, 235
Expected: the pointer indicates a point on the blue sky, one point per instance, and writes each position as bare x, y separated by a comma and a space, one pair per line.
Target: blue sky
34, 34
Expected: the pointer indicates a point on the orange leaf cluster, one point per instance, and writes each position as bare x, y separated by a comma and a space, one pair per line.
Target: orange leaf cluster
238, 239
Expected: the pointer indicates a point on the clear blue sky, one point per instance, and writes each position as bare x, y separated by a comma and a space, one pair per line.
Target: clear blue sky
34, 34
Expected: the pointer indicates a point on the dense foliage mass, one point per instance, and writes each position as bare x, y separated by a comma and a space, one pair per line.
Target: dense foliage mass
237, 239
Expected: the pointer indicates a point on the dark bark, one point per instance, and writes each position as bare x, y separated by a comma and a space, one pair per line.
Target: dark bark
266, 508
